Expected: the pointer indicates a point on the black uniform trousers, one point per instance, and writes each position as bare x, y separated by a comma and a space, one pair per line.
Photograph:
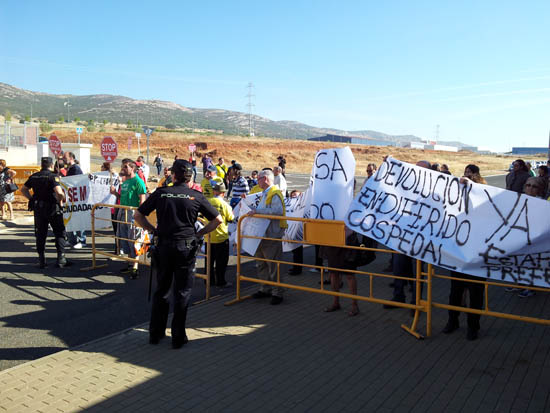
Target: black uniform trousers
455, 298
176, 260
219, 257
47, 213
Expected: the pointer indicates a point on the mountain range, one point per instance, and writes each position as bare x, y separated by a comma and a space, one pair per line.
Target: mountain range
122, 109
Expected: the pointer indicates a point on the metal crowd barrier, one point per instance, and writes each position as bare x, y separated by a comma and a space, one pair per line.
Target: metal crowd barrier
142, 259
422, 277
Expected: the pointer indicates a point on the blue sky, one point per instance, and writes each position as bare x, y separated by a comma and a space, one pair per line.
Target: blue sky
479, 69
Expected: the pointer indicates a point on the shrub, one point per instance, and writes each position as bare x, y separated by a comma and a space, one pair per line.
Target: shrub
45, 127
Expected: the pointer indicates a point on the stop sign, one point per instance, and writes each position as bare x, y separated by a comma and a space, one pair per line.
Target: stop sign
55, 145
192, 147
109, 149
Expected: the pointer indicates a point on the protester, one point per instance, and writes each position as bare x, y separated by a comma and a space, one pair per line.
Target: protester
436, 167
271, 203
240, 185
177, 209
530, 169
209, 179
206, 162
282, 165
221, 171
337, 258
143, 169
445, 169
460, 283
6, 198
193, 162
297, 253
219, 238
518, 176
402, 266
77, 239
252, 179
47, 203
371, 169
167, 178
230, 177
132, 194
158, 162
280, 180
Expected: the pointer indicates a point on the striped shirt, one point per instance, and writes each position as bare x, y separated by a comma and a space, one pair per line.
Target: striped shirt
240, 187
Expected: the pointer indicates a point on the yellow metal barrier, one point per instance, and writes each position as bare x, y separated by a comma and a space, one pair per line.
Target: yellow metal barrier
143, 260
324, 238
22, 173
330, 241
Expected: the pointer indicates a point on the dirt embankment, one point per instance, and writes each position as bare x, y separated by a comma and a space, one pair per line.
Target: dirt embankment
257, 153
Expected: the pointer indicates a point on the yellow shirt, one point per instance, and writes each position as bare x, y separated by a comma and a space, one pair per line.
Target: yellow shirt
207, 186
220, 234
222, 170
255, 189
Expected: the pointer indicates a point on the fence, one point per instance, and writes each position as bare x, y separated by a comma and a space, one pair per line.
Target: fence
142, 259
18, 135
330, 234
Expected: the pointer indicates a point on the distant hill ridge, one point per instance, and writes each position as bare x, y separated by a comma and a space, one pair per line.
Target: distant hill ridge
121, 109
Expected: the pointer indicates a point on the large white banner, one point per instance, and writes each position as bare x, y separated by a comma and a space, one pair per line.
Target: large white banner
332, 188
295, 207
472, 228
81, 193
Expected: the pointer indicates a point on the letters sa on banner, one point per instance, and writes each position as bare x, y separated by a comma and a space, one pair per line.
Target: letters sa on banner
467, 227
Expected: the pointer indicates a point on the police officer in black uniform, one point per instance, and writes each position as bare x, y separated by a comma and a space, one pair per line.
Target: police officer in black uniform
47, 203
176, 244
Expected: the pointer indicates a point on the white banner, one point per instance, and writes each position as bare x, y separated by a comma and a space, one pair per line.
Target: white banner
472, 228
333, 178
295, 207
81, 193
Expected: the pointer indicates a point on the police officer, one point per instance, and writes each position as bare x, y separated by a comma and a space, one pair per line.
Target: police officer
176, 243
47, 202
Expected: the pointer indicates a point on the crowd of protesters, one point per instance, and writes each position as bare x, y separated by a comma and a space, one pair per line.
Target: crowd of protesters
225, 186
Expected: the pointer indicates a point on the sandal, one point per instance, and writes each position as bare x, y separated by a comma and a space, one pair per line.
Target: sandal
332, 308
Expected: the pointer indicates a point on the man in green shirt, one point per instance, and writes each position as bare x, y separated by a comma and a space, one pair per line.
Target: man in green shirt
132, 193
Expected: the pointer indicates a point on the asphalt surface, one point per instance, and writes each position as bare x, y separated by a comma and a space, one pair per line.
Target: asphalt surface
45, 311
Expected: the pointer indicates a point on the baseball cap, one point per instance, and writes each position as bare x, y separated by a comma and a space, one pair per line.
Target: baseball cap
219, 187
238, 167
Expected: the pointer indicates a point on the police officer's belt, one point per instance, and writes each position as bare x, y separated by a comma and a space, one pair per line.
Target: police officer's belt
189, 242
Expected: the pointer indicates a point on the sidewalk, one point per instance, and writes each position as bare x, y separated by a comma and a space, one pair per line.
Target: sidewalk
294, 357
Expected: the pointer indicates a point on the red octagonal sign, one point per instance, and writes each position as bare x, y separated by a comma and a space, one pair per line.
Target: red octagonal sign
55, 145
109, 149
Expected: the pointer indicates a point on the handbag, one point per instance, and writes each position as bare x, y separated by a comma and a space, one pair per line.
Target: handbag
360, 257
9, 188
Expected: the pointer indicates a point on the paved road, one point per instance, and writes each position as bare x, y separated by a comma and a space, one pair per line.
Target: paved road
43, 312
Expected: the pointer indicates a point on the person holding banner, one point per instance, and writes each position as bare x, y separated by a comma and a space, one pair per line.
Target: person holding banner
271, 203
458, 286
176, 246
132, 193
47, 203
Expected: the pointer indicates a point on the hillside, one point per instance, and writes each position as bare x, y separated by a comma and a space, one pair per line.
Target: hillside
121, 109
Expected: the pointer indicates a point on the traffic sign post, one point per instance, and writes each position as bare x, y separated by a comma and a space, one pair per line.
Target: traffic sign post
55, 145
148, 131
79, 132
109, 149
192, 147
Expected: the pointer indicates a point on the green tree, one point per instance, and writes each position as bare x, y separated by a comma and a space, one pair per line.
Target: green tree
90, 122
8, 116
45, 127
77, 119
105, 122
130, 124
90, 128
61, 119
27, 118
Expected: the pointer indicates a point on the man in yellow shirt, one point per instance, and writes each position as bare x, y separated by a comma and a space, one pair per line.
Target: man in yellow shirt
221, 170
209, 179
219, 238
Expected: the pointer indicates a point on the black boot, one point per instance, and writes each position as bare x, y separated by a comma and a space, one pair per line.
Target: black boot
41, 260
62, 261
